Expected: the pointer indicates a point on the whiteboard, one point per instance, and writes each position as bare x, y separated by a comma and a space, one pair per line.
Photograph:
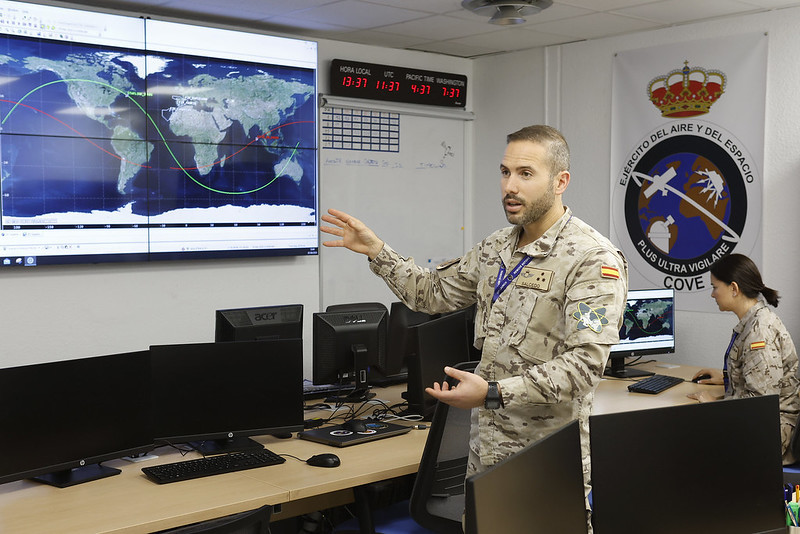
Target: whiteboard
408, 186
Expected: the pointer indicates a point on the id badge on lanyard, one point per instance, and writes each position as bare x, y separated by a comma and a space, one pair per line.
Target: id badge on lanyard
503, 280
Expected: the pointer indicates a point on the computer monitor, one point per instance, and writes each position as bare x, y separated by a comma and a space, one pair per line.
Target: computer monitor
60, 420
214, 396
435, 344
401, 320
538, 489
648, 327
346, 345
695, 468
255, 324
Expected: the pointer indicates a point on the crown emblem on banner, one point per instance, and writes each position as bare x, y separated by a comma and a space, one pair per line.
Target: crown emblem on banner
686, 92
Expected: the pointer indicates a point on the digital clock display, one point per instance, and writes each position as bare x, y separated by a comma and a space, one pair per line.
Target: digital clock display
397, 84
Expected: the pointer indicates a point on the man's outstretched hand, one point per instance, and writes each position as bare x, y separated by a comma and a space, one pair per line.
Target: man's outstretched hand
470, 392
354, 234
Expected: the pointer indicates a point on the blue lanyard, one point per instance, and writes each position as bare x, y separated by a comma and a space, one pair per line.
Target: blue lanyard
725, 378
504, 281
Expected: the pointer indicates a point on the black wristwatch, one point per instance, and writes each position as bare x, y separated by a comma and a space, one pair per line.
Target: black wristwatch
494, 399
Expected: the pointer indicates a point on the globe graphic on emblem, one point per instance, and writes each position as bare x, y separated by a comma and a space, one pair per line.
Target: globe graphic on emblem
688, 218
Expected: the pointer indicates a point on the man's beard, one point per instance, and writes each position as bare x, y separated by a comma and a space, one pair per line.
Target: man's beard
531, 212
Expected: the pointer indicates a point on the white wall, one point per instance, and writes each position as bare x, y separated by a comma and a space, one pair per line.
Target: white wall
583, 78
54, 313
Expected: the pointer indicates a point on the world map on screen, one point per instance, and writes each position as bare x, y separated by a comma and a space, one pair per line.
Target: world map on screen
647, 318
126, 134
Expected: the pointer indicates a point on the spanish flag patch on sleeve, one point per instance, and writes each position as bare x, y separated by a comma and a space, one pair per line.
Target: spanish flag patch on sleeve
758, 345
609, 272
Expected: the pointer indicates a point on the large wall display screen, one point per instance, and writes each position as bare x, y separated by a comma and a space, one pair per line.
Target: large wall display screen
127, 138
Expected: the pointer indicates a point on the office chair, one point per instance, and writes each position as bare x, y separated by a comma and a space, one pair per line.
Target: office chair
791, 473
250, 522
437, 497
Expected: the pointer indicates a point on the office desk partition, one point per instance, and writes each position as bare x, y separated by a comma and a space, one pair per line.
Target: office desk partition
130, 503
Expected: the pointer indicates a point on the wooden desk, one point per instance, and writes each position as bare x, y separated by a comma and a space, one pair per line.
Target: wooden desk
613, 396
131, 503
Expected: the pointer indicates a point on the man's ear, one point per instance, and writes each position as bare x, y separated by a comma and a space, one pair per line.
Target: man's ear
562, 181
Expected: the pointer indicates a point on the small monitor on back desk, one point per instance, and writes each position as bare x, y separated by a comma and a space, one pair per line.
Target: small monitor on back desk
348, 342
261, 323
648, 328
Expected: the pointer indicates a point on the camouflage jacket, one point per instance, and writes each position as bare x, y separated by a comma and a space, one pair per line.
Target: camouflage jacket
763, 361
547, 336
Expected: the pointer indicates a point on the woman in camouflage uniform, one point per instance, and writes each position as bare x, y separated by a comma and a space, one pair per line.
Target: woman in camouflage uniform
761, 358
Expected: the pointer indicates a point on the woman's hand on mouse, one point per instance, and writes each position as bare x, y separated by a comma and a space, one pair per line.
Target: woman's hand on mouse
715, 377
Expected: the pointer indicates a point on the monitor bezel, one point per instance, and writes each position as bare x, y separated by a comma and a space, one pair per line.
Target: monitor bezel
618, 353
260, 365
75, 469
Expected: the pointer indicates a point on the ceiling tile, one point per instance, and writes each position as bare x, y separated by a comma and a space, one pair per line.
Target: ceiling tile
594, 25
440, 28
428, 6
676, 11
362, 15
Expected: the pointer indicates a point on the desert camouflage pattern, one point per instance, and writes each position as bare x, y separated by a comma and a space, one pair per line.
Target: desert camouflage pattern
763, 361
545, 340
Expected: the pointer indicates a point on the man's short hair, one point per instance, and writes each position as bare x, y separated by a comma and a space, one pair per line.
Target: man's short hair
557, 147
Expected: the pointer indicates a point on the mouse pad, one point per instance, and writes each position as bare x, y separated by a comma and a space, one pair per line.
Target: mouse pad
337, 436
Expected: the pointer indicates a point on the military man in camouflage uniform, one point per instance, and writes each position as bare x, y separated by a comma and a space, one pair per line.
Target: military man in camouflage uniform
550, 291
761, 358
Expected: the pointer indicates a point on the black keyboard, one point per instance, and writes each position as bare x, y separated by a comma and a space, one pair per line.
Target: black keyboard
318, 391
654, 384
211, 465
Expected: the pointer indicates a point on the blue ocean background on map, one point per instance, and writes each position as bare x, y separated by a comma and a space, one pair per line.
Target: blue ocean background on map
57, 159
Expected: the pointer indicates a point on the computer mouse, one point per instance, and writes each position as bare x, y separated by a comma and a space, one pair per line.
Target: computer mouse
325, 459
355, 425
705, 376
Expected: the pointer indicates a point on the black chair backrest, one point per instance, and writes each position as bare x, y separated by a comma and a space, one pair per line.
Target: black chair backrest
250, 522
437, 498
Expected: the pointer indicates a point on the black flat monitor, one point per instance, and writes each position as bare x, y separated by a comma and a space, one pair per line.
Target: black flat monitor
214, 396
435, 344
693, 469
347, 344
257, 324
537, 490
60, 420
648, 328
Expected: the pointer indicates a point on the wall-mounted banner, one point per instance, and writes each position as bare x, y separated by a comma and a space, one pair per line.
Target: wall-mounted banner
687, 150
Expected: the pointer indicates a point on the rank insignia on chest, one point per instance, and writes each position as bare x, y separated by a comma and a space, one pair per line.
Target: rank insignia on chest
592, 318
534, 278
758, 345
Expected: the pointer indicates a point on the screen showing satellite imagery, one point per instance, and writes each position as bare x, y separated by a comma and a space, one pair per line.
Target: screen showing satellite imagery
194, 142
649, 322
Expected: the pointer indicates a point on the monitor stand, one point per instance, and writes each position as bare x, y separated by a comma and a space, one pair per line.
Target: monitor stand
617, 369
225, 445
79, 475
360, 392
